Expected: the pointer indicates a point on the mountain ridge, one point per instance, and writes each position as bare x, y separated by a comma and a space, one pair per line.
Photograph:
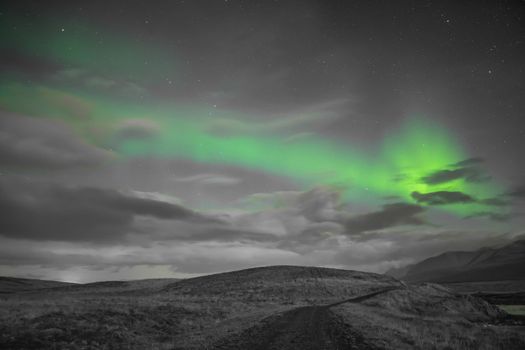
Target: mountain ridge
485, 264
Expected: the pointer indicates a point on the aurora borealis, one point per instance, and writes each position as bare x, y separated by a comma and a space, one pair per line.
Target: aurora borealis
287, 137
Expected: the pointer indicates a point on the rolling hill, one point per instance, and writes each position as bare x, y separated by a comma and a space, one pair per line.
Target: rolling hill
283, 284
274, 307
13, 284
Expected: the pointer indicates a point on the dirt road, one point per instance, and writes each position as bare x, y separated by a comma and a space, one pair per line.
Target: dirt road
303, 328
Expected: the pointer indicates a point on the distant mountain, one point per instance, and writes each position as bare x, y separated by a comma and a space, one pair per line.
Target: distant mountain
13, 284
485, 264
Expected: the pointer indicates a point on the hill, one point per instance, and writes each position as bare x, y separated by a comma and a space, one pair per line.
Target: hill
283, 284
485, 264
275, 307
13, 284
143, 286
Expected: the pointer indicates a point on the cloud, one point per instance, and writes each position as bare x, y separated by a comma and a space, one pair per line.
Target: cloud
157, 197
469, 162
293, 213
466, 169
42, 143
183, 257
43, 211
518, 192
319, 213
210, 179
208, 229
390, 215
282, 222
270, 200
442, 197
495, 201
136, 230
320, 204
382, 250
455, 197
297, 119
97, 82
136, 129
498, 217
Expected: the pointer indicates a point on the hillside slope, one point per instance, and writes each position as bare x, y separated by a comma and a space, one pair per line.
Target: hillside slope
13, 284
276, 307
293, 284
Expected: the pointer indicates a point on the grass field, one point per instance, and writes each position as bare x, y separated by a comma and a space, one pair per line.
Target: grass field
199, 313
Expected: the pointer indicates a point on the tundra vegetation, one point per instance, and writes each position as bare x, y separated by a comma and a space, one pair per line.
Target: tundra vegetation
279, 307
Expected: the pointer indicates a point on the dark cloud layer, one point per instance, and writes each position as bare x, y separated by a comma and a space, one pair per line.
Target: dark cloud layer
467, 170
43, 144
442, 197
390, 215
518, 192
469, 162
43, 211
498, 217
495, 201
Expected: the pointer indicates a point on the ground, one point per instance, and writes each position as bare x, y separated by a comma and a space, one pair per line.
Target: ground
283, 307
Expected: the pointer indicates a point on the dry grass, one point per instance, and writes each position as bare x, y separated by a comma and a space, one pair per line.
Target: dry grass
428, 317
199, 312
63, 320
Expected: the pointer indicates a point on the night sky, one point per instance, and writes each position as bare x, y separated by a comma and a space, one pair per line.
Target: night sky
144, 139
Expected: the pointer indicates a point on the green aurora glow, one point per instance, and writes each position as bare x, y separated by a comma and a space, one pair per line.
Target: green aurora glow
396, 167
417, 149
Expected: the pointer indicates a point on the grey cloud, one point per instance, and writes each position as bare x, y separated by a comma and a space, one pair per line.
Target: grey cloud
158, 174
313, 237
43, 211
399, 248
270, 200
295, 214
495, 201
498, 217
469, 162
136, 129
48, 144
298, 119
209, 179
225, 233
467, 169
442, 197
518, 192
97, 82
320, 210
309, 229
186, 257
390, 215
320, 204
455, 197
215, 230
317, 204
